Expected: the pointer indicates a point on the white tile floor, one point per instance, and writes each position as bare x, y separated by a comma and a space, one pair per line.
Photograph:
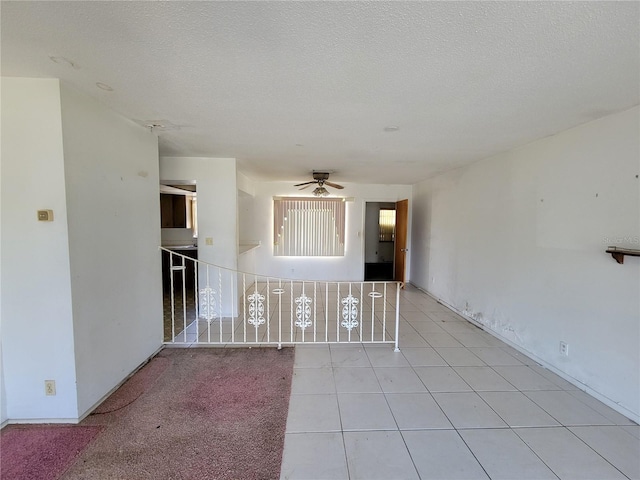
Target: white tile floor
455, 403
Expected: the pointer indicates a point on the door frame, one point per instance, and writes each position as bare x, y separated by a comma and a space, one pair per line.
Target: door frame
400, 250
362, 232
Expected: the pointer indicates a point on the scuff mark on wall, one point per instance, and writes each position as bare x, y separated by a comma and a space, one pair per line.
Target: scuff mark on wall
500, 326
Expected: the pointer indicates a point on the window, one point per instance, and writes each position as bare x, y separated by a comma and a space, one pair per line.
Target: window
387, 223
308, 226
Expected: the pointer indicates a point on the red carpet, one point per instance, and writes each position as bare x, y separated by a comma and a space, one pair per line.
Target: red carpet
213, 413
134, 387
189, 414
41, 452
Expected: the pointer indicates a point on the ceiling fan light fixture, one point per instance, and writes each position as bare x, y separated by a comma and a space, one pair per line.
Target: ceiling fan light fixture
321, 192
320, 179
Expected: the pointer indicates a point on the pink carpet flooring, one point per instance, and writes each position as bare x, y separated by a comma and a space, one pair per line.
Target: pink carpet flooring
188, 414
134, 387
41, 452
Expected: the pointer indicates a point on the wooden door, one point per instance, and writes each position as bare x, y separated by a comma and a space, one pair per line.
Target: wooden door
400, 256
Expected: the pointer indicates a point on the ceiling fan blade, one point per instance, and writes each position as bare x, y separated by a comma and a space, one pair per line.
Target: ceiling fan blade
334, 185
306, 183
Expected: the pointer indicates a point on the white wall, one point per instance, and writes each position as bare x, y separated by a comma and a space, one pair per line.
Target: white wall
217, 203
37, 325
177, 236
349, 267
111, 173
245, 184
246, 222
246, 231
517, 242
246, 218
217, 211
3, 396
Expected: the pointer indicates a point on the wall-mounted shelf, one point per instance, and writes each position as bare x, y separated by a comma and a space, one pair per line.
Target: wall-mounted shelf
619, 253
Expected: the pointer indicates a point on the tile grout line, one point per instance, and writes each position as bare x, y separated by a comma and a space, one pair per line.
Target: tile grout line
408, 327
335, 387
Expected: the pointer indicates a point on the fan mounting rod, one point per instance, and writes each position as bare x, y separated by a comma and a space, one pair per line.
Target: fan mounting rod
320, 175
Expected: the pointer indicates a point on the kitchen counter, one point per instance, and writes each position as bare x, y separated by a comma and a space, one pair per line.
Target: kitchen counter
245, 247
180, 247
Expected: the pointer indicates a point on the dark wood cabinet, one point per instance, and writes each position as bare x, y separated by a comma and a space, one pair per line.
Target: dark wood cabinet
173, 211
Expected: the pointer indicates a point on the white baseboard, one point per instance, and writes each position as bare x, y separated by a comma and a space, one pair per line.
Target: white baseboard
19, 421
106, 395
585, 388
15, 421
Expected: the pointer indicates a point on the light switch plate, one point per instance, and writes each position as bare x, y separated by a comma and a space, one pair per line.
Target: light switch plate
45, 215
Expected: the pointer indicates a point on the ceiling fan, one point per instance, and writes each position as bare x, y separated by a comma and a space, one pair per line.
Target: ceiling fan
322, 179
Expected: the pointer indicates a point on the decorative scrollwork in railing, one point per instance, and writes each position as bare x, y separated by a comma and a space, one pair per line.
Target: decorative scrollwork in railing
303, 311
208, 304
350, 312
256, 309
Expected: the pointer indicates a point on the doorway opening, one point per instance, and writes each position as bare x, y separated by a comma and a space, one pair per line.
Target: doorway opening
385, 248
179, 234
380, 232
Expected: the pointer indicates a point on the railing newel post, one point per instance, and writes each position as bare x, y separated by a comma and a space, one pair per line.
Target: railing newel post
209, 317
314, 311
384, 315
326, 313
268, 312
234, 288
244, 307
173, 306
220, 317
338, 311
397, 348
291, 312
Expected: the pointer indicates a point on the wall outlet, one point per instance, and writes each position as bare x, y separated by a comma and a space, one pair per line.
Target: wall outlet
208, 240
564, 349
49, 387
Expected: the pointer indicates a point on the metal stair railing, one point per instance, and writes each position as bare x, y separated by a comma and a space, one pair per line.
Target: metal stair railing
206, 304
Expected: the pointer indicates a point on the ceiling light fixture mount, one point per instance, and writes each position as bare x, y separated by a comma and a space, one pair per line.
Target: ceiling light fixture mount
155, 126
64, 61
158, 125
104, 86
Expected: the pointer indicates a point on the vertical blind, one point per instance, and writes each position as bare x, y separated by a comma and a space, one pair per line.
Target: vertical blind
308, 226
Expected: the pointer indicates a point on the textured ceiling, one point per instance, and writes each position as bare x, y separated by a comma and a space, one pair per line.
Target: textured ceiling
290, 87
